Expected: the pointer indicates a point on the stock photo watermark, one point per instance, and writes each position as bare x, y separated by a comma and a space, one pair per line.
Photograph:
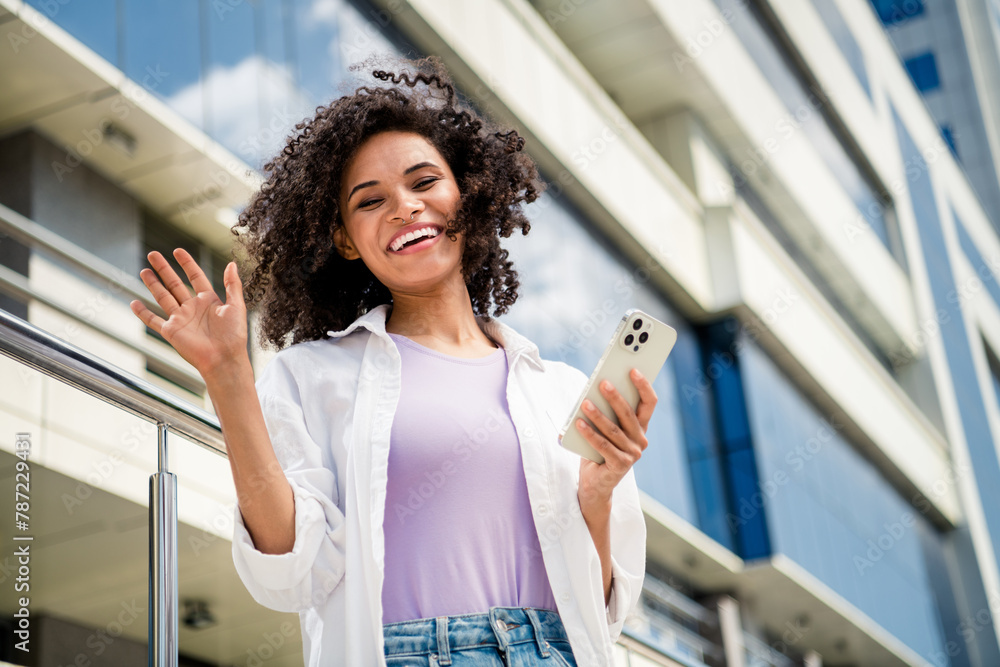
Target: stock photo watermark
22, 542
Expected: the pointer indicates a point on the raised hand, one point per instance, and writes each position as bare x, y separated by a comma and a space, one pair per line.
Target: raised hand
206, 332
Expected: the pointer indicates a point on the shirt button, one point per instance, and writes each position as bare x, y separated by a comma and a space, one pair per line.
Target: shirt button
543, 509
564, 597
530, 432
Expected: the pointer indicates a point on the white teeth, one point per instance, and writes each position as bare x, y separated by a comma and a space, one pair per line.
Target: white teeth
405, 238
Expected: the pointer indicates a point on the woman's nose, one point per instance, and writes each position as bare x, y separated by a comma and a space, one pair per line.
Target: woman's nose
407, 208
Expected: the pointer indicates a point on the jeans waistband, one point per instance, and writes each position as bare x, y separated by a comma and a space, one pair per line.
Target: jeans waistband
500, 627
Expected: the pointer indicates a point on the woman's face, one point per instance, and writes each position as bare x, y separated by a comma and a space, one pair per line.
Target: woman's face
398, 183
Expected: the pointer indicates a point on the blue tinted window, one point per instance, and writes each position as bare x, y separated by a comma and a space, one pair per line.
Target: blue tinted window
331, 36
949, 137
162, 52
231, 77
829, 509
895, 11
701, 439
746, 514
954, 336
93, 23
923, 70
995, 376
985, 270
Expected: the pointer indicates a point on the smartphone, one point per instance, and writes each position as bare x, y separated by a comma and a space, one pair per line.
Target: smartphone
640, 341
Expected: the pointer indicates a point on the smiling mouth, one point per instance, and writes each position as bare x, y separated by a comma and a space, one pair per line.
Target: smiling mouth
428, 233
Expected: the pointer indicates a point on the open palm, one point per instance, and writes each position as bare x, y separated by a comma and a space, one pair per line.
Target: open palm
206, 332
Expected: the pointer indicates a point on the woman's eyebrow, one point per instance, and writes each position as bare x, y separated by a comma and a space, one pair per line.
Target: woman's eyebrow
409, 170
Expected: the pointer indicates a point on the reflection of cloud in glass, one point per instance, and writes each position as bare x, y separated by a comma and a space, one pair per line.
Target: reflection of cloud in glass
352, 36
553, 287
325, 11
332, 35
573, 290
360, 38
238, 93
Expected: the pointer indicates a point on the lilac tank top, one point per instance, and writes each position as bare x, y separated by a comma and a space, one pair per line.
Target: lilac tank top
459, 535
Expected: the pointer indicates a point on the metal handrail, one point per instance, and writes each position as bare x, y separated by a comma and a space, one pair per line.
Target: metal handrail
55, 357
35, 348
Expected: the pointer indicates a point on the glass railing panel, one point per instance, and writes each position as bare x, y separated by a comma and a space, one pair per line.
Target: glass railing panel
760, 654
75, 558
669, 621
87, 466
220, 623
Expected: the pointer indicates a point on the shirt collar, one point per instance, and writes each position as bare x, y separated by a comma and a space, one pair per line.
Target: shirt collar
514, 343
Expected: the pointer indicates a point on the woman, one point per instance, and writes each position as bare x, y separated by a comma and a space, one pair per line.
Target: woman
474, 539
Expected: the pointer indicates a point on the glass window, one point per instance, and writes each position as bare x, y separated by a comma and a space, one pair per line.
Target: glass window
244, 72
948, 134
230, 76
807, 112
897, 11
330, 36
273, 22
924, 72
162, 51
842, 34
985, 270
832, 512
961, 363
994, 372
573, 291
94, 23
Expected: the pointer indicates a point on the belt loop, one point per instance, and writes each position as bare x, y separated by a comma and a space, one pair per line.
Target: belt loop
536, 623
501, 635
444, 652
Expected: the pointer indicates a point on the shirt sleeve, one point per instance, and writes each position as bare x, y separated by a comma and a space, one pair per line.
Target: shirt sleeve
314, 568
628, 554
628, 528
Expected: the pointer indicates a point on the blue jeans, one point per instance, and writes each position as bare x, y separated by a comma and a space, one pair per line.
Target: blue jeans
503, 637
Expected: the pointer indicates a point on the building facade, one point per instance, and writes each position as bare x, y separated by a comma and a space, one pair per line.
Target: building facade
952, 52
822, 484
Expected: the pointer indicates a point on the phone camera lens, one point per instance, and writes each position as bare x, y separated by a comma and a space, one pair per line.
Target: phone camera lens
628, 339
643, 337
637, 325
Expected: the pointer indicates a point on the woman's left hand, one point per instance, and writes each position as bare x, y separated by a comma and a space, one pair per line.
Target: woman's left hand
621, 446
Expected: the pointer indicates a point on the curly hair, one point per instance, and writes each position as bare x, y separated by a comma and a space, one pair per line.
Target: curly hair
299, 283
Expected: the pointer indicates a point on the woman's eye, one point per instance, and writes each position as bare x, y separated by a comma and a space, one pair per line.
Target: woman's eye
427, 182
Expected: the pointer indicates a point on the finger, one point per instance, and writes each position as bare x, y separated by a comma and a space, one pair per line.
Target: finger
647, 399
626, 415
170, 279
604, 447
234, 286
163, 297
199, 281
605, 426
148, 317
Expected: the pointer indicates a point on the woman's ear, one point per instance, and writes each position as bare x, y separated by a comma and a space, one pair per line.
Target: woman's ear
342, 241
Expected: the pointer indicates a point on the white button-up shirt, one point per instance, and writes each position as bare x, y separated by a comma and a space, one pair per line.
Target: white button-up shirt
329, 407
